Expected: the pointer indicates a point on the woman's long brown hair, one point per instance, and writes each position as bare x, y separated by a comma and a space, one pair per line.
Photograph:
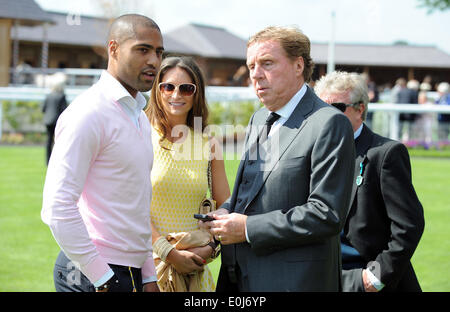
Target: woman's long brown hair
155, 110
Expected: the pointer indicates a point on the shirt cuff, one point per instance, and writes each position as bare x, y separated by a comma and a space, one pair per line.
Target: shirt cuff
246, 234
104, 278
374, 281
96, 270
150, 279
148, 270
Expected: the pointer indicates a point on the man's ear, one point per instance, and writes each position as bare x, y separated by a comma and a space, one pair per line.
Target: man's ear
362, 107
113, 48
300, 65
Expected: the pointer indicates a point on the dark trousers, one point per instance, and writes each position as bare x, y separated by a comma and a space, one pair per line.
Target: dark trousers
350, 265
50, 139
68, 278
230, 280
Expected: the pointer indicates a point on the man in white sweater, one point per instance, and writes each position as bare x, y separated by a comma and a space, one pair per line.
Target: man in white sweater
97, 190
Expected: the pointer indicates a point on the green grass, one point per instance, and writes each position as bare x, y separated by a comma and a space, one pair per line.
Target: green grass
429, 153
432, 257
28, 250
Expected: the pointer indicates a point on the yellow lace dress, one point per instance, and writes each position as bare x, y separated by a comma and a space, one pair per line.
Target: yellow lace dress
180, 182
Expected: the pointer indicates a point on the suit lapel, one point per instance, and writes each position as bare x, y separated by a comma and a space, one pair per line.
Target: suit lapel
287, 133
362, 144
257, 125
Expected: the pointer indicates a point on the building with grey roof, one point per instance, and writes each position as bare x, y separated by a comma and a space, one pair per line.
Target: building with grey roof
69, 29
79, 42
218, 52
208, 41
26, 12
385, 63
12, 15
383, 55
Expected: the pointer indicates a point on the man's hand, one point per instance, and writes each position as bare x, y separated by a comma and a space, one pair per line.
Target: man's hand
151, 287
220, 211
207, 225
368, 287
229, 228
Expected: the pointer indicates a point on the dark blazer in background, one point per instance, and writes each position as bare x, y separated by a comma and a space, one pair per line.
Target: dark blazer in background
297, 205
385, 222
54, 104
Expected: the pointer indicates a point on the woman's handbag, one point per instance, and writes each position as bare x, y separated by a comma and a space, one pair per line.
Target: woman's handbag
169, 280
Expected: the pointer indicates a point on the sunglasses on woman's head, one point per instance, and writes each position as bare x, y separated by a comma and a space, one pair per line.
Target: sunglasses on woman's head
342, 106
185, 89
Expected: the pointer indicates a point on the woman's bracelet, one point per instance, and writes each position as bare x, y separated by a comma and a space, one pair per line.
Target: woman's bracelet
162, 247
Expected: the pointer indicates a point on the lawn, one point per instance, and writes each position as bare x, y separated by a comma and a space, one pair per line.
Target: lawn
28, 249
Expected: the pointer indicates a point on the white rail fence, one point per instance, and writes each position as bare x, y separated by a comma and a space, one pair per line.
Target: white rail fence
32, 76
387, 123
30, 93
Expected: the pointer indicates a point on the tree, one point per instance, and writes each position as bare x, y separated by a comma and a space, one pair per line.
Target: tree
433, 5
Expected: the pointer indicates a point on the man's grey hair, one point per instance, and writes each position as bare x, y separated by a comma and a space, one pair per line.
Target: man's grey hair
340, 82
58, 82
443, 87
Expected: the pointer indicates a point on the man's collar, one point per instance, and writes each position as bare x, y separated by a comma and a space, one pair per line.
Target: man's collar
117, 91
357, 133
140, 100
286, 110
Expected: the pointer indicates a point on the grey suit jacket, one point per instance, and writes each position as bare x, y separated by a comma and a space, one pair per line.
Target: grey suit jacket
298, 202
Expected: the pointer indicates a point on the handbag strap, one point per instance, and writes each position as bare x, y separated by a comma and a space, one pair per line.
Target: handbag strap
209, 178
209, 171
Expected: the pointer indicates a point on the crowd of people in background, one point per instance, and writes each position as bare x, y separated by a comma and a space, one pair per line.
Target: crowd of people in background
418, 126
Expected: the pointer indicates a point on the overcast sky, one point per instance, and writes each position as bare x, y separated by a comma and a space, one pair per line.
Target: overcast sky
357, 21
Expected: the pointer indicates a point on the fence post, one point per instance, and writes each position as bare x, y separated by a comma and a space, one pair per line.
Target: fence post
394, 126
1, 118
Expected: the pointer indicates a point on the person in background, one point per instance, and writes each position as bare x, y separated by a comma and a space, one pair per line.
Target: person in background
408, 95
97, 190
385, 221
425, 120
184, 158
444, 119
280, 228
374, 96
400, 84
54, 104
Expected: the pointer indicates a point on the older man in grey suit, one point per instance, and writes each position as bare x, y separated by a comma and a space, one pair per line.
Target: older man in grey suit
280, 228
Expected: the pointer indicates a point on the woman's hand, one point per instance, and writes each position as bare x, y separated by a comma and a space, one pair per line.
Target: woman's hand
204, 252
150, 287
185, 261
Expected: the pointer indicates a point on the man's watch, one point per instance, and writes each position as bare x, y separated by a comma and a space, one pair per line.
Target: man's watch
216, 249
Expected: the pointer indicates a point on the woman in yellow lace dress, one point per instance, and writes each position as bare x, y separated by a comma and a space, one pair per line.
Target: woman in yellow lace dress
178, 114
